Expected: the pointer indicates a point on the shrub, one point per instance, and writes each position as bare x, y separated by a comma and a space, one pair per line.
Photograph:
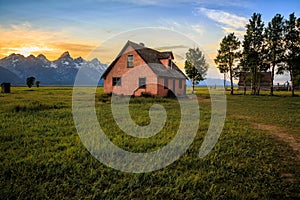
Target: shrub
146, 94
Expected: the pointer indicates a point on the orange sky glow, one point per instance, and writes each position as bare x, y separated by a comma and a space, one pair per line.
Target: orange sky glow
52, 44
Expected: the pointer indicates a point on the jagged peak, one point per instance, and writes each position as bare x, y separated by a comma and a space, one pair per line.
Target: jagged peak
41, 56
66, 54
16, 55
95, 60
79, 59
30, 56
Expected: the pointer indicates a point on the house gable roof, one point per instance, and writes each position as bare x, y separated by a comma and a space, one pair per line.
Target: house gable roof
152, 58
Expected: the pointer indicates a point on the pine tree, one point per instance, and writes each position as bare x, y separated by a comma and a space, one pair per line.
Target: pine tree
253, 50
274, 45
292, 49
227, 56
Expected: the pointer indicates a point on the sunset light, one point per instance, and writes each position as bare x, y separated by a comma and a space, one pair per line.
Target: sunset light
30, 50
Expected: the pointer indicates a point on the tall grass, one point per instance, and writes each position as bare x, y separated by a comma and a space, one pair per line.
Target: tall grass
42, 156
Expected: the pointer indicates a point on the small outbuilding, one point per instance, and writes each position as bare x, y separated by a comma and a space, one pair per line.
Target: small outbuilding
245, 81
5, 87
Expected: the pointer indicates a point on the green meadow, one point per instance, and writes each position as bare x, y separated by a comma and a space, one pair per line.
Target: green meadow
42, 156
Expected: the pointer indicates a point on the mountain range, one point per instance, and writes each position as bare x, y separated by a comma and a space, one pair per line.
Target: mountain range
15, 68
211, 82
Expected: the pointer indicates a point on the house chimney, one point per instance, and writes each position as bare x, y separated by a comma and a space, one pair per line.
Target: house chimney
170, 63
142, 44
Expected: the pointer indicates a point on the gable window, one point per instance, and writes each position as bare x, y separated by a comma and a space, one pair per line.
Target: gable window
166, 84
130, 61
142, 82
180, 83
116, 81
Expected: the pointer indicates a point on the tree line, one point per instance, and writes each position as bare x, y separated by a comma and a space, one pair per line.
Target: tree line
275, 46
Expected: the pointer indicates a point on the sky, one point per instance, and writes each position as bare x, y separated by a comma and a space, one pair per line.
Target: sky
52, 27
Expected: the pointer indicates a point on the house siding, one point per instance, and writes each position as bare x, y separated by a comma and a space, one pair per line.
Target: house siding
130, 80
154, 72
162, 91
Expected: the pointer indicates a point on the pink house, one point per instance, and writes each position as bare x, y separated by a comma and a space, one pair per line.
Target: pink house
138, 69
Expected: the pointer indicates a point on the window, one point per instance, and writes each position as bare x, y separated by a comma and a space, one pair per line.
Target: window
130, 61
116, 81
166, 83
180, 83
142, 82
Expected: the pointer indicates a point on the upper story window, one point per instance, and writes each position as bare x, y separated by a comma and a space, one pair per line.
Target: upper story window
116, 81
142, 82
130, 61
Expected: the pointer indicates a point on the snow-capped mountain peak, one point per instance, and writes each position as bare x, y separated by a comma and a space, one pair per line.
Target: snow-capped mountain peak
59, 72
78, 60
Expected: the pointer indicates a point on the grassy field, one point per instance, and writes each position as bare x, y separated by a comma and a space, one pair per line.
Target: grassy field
42, 156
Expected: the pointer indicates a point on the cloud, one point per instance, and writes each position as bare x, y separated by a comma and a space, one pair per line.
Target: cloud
228, 21
24, 39
172, 47
237, 32
227, 3
28, 50
198, 29
73, 46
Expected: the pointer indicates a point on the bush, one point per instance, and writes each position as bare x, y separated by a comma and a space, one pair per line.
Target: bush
105, 97
146, 94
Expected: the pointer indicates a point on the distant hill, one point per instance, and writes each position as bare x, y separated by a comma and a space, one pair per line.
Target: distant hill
16, 68
210, 82
8, 76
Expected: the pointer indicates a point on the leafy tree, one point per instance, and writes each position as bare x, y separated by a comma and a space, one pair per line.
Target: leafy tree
228, 55
292, 50
252, 60
195, 66
30, 81
37, 83
274, 45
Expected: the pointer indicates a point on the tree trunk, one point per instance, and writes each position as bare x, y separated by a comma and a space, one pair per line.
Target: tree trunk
292, 82
252, 84
258, 85
253, 81
231, 84
245, 86
193, 85
224, 80
272, 79
231, 80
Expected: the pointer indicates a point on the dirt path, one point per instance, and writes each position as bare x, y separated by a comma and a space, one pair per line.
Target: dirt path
276, 131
